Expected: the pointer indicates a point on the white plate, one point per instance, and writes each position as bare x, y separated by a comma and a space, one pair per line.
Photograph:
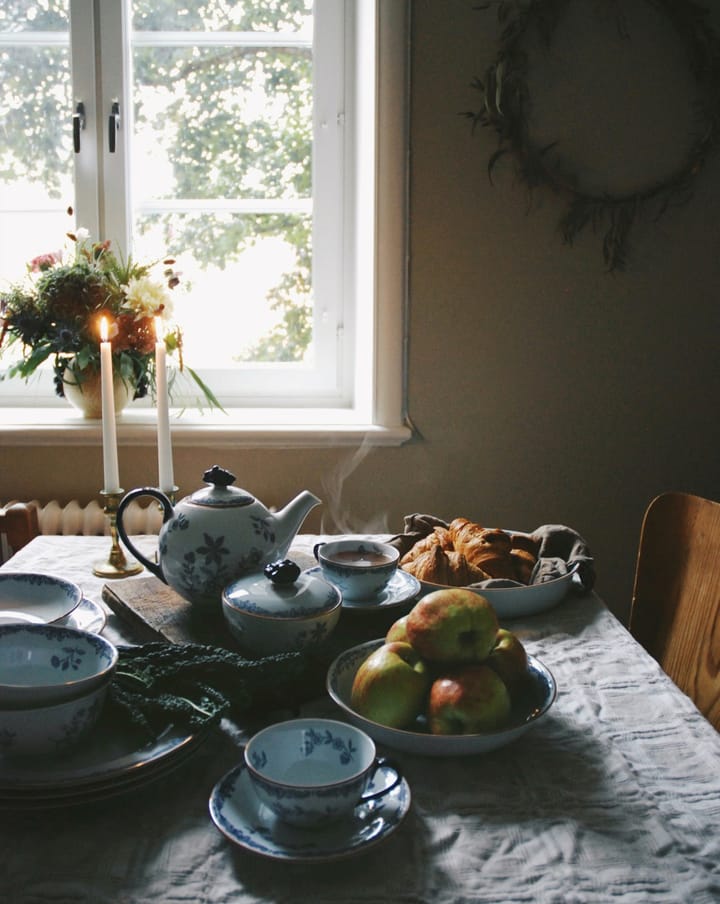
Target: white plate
518, 602
239, 815
528, 707
111, 752
402, 587
89, 616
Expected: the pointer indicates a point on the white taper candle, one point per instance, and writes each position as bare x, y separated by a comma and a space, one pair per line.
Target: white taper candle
166, 481
111, 473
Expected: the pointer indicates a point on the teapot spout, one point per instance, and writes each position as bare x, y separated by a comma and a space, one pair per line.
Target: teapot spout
289, 519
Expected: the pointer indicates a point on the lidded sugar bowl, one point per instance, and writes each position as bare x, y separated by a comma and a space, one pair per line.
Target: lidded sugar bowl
280, 609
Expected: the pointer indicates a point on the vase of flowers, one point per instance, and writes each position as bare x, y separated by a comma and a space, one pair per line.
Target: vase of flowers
55, 315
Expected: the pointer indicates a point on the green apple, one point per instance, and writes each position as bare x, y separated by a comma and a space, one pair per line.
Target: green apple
452, 625
398, 631
508, 657
468, 700
391, 686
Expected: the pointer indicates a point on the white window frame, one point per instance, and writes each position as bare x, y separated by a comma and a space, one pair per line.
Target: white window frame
377, 240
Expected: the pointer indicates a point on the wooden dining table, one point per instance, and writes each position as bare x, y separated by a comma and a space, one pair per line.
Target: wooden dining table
613, 796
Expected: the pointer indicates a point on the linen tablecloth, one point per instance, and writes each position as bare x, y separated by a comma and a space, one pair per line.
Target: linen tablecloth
613, 796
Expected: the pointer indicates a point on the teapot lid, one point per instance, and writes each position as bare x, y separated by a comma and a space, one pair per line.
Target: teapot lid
219, 493
282, 591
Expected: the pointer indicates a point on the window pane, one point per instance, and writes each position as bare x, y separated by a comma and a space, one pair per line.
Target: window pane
221, 175
230, 122
256, 310
36, 166
218, 15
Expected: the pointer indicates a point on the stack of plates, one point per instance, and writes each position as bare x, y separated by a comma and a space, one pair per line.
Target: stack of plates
113, 761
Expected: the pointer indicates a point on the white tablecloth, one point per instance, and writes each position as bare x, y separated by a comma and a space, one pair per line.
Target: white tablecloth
614, 796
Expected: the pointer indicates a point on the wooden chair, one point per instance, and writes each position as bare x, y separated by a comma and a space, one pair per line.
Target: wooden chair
18, 525
675, 611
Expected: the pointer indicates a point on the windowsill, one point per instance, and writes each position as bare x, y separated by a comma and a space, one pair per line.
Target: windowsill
239, 428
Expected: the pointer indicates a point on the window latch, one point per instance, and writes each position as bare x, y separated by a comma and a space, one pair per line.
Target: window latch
78, 125
113, 125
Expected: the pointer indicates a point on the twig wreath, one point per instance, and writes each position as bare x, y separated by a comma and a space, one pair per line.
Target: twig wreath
506, 109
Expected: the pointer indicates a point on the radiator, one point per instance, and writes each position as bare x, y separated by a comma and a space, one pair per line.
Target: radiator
90, 520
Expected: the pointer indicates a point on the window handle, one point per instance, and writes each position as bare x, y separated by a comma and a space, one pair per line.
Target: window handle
113, 125
78, 125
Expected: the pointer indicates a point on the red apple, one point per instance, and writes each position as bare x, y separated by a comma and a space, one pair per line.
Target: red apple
508, 657
452, 625
468, 700
398, 631
391, 686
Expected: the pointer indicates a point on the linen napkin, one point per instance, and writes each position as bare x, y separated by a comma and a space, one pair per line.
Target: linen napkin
561, 549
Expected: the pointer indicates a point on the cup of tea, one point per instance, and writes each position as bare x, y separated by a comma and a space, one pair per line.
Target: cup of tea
361, 569
310, 771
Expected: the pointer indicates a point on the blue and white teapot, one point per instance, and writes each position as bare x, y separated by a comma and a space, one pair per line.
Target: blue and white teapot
216, 535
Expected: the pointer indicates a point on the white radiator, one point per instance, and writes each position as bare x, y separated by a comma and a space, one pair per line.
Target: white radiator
90, 520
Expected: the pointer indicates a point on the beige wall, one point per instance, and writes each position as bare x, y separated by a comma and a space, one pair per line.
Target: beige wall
542, 388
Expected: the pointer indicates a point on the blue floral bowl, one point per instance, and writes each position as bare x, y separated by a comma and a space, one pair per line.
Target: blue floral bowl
42, 665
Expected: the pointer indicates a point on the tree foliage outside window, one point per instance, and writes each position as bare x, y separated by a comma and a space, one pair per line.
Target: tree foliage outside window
230, 121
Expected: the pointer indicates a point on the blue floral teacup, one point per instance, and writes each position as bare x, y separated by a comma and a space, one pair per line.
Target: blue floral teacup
310, 771
361, 569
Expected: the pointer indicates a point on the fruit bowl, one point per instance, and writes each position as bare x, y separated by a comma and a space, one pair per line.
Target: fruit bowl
530, 704
518, 602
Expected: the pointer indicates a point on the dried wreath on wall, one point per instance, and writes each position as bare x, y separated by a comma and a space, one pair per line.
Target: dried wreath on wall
506, 107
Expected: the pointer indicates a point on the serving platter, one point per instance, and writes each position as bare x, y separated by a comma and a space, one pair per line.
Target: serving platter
530, 704
522, 600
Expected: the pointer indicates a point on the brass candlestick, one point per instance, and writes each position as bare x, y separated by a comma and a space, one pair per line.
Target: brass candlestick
116, 565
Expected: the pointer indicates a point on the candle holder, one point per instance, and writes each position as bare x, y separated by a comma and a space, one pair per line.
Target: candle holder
117, 564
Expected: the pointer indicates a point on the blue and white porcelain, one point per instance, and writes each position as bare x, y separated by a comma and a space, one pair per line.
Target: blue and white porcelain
56, 729
401, 589
240, 816
265, 617
34, 597
361, 568
313, 771
215, 535
89, 616
41, 665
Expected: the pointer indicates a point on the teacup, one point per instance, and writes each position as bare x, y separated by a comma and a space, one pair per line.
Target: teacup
310, 771
361, 569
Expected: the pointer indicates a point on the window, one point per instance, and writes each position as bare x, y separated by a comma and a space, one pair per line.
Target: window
252, 143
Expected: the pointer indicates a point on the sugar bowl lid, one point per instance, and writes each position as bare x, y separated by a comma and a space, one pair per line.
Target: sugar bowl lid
282, 591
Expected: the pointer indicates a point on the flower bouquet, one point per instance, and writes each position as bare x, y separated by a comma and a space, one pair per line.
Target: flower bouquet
56, 314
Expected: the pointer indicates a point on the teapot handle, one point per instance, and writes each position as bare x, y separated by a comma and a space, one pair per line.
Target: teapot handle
167, 507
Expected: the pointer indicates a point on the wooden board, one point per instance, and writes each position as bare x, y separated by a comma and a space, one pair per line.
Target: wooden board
156, 612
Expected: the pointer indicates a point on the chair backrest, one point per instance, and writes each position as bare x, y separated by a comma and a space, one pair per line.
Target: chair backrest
19, 523
675, 611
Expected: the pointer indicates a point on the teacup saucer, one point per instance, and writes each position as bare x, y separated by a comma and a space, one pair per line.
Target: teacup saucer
402, 587
239, 815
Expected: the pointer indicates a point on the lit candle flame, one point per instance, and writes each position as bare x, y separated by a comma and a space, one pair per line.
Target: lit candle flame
103, 329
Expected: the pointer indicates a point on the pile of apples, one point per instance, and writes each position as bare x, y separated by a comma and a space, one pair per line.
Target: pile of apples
447, 663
